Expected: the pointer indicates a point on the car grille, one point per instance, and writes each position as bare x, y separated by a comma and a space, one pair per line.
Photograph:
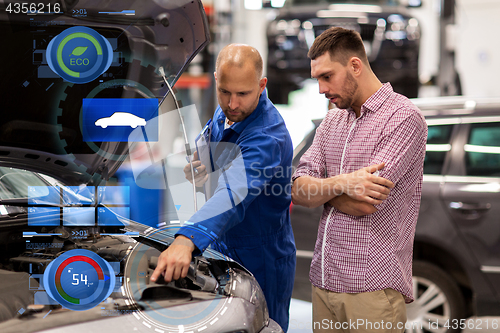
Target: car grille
365, 30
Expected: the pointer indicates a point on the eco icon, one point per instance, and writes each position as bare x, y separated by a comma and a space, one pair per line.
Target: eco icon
79, 54
78, 51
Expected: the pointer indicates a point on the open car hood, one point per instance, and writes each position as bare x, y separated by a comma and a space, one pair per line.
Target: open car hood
44, 125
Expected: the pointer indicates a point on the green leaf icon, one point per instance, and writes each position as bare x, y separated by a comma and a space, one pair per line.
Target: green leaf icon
79, 50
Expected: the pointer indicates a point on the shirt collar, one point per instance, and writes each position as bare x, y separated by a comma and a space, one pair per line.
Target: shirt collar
375, 101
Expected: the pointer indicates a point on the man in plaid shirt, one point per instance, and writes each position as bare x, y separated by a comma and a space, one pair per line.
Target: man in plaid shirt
365, 166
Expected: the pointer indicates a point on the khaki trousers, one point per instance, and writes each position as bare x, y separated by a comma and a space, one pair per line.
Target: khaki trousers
378, 311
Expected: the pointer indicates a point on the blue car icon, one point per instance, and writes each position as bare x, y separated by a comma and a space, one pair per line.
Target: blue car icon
121, 119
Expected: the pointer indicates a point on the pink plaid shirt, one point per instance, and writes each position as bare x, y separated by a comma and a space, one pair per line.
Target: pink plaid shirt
371, 252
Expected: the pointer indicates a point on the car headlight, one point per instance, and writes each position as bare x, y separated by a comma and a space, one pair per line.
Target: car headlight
284, 27
413, 29
399, 28
245, 286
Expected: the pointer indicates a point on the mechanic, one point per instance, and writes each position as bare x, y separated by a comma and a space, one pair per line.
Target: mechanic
365, 166
257, 230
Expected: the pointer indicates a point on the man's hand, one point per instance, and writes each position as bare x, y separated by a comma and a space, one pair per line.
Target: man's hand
348, 205
363, 185
174, 262
200, 171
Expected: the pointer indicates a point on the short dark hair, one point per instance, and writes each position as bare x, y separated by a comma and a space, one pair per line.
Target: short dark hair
342, 44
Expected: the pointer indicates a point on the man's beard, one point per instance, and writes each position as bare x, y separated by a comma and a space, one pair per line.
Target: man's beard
244, 113
349, 90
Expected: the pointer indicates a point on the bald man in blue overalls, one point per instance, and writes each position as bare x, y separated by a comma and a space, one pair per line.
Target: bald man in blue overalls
256, 227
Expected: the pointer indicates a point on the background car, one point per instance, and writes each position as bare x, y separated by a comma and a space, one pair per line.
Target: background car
391, 37
456, 268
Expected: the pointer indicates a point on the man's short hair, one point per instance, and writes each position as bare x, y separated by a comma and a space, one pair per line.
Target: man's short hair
238, 55
342, 44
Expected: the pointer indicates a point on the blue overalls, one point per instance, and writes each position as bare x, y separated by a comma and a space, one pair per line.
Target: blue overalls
256, 226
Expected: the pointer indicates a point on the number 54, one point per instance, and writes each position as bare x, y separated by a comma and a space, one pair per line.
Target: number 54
83, 278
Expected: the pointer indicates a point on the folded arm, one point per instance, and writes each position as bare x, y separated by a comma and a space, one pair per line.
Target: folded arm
362, 186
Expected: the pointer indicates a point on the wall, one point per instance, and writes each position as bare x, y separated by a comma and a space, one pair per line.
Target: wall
250, 27
478, 46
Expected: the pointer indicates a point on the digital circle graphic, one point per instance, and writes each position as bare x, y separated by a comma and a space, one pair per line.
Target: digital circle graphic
79, 54
192, 317
79, 279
